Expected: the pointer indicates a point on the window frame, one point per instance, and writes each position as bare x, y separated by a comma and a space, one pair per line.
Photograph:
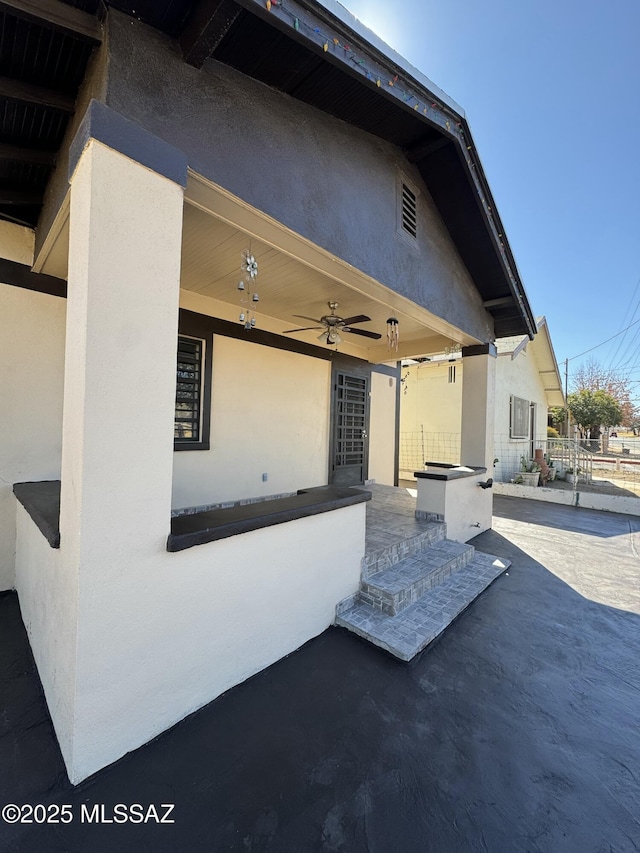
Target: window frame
191, 326
524, 418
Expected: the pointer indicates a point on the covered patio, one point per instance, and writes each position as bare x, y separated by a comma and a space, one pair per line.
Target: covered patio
519, 729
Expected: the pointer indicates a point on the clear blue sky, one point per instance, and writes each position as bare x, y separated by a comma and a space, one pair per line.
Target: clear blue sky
551, 91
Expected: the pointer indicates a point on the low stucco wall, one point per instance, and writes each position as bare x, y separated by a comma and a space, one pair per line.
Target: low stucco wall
464, 506
159, 635
588, 500
31, 381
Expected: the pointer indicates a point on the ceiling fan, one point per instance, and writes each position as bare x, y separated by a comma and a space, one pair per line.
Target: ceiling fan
333, 326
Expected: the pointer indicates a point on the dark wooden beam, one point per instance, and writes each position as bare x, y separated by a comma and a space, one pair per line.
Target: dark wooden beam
18, 197
16, 90
55, 14
20, 275
425, 149
27, 155
210, 21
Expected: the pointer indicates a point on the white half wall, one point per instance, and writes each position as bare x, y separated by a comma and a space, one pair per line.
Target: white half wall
382, 429
269, 415
31, 383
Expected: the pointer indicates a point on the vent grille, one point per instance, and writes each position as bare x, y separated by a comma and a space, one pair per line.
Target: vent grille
188, 389
409, 211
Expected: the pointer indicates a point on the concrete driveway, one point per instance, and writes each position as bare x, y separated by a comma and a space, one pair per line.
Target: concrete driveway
519, 730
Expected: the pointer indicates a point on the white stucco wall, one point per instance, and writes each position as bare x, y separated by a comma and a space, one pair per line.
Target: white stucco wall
48, 595
16, 243
382, 429
269, 414
159, 634
430, 399
31, 380
519, 376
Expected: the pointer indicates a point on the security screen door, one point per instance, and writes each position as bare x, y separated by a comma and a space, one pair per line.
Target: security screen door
350, 416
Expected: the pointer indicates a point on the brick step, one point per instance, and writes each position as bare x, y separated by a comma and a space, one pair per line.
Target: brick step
411, 630
401, 585
383, 558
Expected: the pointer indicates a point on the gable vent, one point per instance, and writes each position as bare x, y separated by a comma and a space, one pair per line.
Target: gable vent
409, 211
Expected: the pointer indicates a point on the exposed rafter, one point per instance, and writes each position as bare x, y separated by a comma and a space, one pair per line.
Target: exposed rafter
205, 29
425, 149
57, 15
18, 90
17, 154
19, 197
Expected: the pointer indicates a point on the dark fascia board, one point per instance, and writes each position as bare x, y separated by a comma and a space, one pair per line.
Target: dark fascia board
497, 233
20, 275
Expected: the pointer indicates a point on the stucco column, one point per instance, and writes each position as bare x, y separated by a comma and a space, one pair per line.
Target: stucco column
478, 406
119, 395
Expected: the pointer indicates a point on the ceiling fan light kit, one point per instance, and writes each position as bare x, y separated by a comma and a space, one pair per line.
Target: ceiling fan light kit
332, 326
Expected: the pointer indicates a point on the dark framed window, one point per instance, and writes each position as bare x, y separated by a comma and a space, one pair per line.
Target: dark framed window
193, 385
519, 417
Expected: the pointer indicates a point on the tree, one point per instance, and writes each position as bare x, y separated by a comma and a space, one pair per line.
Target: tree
558, 416
594, 409
592, 376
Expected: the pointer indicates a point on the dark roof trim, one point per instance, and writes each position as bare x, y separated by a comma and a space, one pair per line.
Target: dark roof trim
56, 15
20, 275
114, 130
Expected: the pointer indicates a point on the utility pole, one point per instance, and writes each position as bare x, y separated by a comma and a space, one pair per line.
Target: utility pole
567, 417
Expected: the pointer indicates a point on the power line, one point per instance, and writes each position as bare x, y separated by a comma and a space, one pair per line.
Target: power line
622, 331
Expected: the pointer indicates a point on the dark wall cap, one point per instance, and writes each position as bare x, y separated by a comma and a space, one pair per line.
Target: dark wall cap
443, 471
480, 349
109, 127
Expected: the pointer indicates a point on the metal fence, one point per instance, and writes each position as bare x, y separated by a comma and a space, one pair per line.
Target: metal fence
585, 464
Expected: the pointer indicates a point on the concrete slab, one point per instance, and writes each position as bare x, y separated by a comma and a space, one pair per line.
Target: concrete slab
518, 730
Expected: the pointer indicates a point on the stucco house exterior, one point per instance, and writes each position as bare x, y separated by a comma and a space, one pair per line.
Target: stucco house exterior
528, 383
169, 173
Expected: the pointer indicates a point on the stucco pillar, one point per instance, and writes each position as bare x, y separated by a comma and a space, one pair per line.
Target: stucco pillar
478, 406
478, 422
119, 394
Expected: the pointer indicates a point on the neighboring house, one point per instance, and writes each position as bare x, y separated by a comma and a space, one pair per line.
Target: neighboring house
147, 158
528, 382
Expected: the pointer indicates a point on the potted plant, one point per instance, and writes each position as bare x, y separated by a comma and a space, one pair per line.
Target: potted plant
551, 474
572, 476
529, 474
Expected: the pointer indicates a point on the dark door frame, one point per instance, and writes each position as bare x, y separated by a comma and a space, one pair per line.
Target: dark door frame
361, 372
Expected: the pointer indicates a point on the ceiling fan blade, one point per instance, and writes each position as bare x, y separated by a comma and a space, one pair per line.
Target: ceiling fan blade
304, 317
306, 329
375, 335
360, 318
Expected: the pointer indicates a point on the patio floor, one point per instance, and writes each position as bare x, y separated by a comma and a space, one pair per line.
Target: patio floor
518, 730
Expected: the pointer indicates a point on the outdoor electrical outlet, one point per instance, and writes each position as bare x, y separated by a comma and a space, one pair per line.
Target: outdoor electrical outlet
265, 477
